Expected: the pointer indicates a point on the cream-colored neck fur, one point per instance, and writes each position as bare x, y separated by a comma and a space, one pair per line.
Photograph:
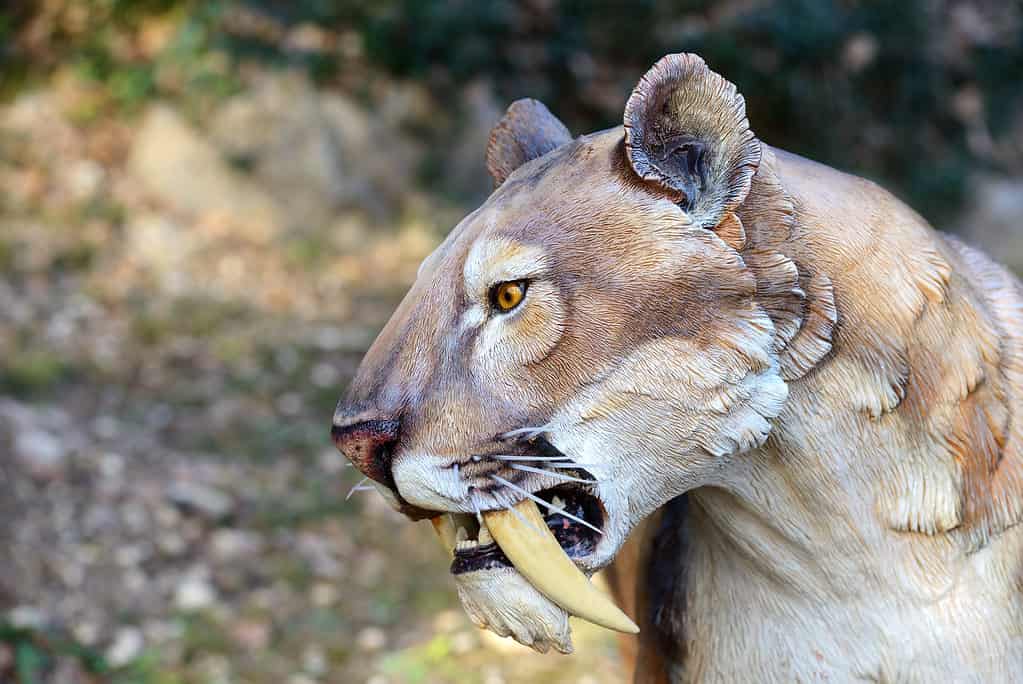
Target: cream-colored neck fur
875, 535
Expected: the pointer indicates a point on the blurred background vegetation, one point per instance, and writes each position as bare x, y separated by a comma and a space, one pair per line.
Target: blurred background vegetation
208, 209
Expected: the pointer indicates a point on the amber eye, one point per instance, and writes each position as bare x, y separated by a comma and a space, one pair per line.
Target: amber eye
506, 296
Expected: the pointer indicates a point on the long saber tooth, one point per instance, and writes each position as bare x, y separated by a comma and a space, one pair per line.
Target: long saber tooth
541, 560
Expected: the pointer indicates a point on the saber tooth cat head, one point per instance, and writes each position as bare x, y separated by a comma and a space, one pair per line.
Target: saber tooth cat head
585, 346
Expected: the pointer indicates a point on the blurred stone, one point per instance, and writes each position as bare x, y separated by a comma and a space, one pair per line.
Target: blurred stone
252, 635
171, 544
84, 178
130, 555
86, 632
371, 639
111, 465
231, 544
968, 103
166, 516
314, 660
208, 501
463, 642
186, 172
194, 593
307, 37
323, 595
27, 617
40, 453
162, 246
859, 52
127, 646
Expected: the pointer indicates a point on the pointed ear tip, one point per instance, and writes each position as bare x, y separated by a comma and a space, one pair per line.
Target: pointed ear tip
680, 60
527, 130
524, 103
674, 71
525, 109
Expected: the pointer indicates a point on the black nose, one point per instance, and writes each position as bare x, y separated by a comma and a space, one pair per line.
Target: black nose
369, 445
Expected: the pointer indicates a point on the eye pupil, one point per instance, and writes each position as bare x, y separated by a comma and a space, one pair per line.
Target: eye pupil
506, 296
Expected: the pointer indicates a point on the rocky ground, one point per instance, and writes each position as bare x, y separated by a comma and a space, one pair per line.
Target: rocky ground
181, 303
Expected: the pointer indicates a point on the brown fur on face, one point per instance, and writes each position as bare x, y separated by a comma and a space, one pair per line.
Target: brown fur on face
456, 384
836, 385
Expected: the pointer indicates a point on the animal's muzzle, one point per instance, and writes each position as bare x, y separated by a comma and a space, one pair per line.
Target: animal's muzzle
369, 443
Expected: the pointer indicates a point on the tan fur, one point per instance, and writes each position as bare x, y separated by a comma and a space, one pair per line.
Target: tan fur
837, 386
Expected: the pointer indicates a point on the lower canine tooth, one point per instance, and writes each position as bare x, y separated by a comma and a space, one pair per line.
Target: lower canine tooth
485, 537
445, 529
533, 550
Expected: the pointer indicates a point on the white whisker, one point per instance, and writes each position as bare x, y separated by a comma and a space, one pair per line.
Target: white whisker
511, 507
358, 488
512, 457
541, 471
523, 520
528, 432
534, 497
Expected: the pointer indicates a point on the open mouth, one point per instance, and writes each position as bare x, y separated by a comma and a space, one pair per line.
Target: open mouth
540, 547
475, 548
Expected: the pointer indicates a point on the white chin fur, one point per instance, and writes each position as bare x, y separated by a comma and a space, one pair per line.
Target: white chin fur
502, 601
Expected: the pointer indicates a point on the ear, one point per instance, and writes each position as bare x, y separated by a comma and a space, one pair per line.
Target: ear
528, 130
686, 131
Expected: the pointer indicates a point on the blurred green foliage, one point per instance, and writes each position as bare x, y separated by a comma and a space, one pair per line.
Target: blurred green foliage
31, 372
875, 87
